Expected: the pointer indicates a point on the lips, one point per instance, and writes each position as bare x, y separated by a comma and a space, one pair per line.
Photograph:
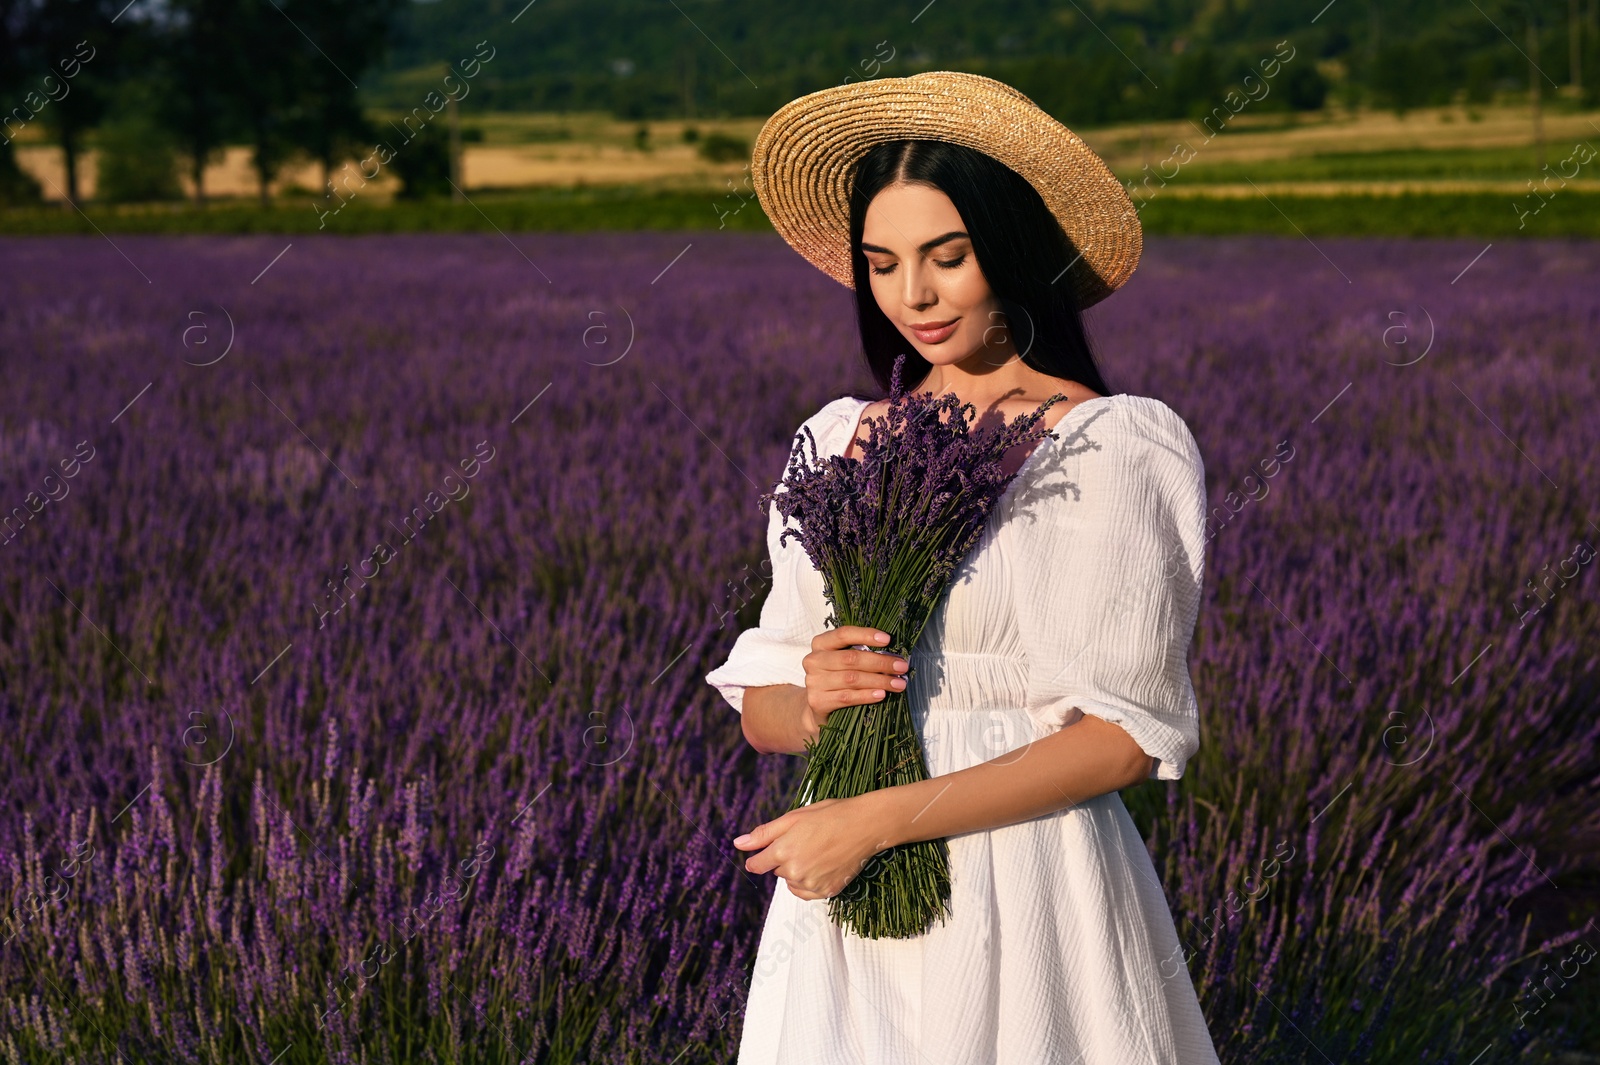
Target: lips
935, 334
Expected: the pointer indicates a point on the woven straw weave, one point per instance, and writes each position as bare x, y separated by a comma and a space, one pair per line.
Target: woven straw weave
805, 156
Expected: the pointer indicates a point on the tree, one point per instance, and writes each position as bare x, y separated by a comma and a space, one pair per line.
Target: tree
273, 62
136, 160
352, 36
1304, 88
193, 44
15, 185
1408, 75
282, 76
422, 163
77, 36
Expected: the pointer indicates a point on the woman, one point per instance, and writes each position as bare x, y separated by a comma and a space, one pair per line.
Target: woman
974, 229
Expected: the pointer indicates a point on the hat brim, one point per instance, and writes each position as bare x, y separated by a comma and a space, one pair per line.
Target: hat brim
805, 155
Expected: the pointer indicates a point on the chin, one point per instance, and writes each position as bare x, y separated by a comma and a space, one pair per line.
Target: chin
945, 354
941, 353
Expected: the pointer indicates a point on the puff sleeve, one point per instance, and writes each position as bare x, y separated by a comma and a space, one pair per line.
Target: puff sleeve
771, 652
1108, 582
791, 616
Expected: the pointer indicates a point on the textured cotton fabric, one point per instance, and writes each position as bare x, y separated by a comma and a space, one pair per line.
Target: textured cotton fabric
1079, 598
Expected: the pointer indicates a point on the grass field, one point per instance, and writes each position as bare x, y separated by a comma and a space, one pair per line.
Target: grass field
1434, 172
1267, 210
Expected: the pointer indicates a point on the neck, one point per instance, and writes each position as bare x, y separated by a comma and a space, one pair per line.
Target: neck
987, 375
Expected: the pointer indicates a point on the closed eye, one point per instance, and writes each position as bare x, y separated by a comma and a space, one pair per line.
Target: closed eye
950, 264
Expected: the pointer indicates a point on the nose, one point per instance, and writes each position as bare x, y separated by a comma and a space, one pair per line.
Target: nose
917, 293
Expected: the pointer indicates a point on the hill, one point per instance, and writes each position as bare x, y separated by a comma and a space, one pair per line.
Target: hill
1090, 62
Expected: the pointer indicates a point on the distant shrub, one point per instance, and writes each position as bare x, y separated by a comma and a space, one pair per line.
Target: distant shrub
722, 148
137, 162
1304, 88
17, 186
423, 163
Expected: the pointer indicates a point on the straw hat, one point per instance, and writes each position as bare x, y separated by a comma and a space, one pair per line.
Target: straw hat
806, 153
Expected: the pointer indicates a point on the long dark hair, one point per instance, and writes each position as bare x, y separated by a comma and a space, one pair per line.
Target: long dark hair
1021, 249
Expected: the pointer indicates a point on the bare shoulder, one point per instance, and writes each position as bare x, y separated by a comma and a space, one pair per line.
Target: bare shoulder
876, 408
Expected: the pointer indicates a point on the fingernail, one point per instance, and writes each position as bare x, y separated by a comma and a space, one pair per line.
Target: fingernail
901, 664
739, 841
881, 637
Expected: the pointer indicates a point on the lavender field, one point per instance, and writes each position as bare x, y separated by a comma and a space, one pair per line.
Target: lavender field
356, 597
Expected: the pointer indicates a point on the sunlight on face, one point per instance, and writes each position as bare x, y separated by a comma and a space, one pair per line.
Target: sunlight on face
924, 273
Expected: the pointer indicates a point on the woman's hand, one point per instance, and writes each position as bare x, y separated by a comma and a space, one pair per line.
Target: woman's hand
840, 675
818, 849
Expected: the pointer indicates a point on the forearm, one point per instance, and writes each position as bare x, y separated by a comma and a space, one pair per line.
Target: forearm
1088, 758
776, 719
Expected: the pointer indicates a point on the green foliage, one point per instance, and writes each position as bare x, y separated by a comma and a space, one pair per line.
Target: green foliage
1410, 74
1486, 215
1089, 64
718, 147
138, 159
1303, 88
423, 163
17, 186
136, 163
1408, 215
1480, 79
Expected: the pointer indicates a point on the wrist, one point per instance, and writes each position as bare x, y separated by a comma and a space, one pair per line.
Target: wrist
881, 813
806, 727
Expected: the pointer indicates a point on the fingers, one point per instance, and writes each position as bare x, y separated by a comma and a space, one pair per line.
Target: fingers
853, 697
845, 635
758, 839
840, 673
829, 690
840, 651
852, 668
839, 688
766, 860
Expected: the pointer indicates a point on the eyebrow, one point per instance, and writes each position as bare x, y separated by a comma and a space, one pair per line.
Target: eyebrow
954, 234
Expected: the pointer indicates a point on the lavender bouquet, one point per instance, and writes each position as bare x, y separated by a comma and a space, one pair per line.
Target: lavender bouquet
887, 532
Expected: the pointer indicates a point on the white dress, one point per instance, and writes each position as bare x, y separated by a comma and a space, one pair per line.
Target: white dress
1079, 598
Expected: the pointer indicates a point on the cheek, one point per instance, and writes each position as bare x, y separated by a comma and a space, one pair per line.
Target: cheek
883, 292
968, 294
889, 301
